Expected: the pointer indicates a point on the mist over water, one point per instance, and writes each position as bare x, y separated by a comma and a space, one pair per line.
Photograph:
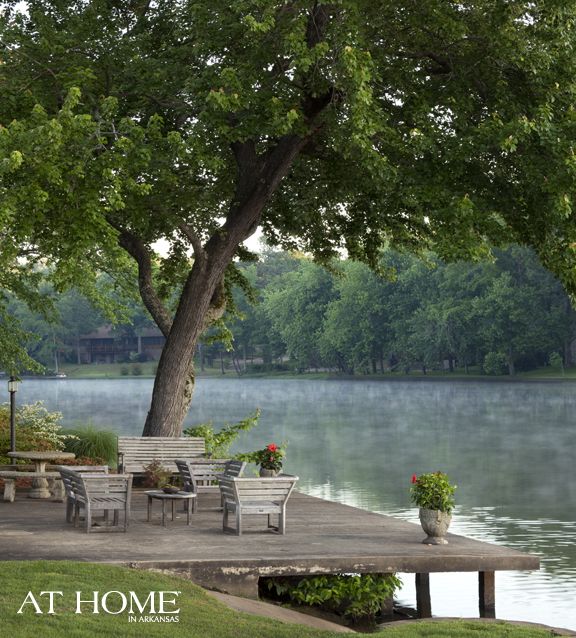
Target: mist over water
508, 446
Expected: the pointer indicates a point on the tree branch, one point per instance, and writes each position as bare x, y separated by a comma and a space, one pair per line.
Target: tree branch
443, 65
136, 248
192, 237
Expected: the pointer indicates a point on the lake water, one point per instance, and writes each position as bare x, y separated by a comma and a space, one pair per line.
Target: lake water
509, 446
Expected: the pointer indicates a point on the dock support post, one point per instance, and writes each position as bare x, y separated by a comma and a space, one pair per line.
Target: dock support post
487, 594
423, 604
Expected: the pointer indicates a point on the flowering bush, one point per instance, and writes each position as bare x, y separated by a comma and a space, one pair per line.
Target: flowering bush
433, 491
270, 458
36, 429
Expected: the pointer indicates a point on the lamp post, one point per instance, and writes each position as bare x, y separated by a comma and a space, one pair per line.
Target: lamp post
12, 389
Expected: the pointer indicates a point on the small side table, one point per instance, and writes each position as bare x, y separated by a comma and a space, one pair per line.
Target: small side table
187, 497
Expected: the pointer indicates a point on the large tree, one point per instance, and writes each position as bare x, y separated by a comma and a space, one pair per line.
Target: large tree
330, 125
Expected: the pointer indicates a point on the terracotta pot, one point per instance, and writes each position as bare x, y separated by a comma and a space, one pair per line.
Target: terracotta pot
435, 523
266, 472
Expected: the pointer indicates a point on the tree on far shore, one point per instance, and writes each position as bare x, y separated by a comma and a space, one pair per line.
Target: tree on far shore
330, 126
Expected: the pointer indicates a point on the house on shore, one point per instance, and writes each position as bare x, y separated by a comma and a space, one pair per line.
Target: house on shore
106, 346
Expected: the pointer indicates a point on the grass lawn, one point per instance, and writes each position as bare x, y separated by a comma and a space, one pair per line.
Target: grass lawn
200, 616
148, 369
110, 370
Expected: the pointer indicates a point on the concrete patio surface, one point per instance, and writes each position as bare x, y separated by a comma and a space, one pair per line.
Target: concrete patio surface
322, 537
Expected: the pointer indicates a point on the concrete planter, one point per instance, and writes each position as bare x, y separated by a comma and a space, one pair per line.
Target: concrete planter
435, 523
266, 472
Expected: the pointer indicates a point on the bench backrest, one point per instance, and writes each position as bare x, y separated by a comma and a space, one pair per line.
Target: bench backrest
275, 488
135, 452
91, 469
206, 472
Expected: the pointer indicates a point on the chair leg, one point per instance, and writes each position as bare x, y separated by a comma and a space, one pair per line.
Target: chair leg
238, 521
115, 518
225, 518
69, 510
88, 517
127, 516
282, 521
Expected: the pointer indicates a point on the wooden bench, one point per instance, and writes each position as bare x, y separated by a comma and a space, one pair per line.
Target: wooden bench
256, 496
9, 477
135, 452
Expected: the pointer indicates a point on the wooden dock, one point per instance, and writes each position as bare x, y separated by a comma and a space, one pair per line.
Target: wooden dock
322, 537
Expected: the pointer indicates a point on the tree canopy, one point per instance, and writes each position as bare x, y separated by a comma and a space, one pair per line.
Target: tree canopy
330, 125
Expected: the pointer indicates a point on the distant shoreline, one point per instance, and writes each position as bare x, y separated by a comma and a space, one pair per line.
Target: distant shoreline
94, 373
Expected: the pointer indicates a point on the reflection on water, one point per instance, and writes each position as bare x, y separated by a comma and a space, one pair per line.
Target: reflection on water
509, 447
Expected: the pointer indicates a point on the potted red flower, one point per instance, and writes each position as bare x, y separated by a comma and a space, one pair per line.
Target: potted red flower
269, 459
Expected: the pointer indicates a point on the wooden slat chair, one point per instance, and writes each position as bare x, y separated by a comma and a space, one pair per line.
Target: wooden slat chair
244, 496
97, 492
202, 476
135, 452
68, 486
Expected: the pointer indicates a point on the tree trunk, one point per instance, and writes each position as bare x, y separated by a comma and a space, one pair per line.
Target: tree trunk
202, 301
511, 368
203, 297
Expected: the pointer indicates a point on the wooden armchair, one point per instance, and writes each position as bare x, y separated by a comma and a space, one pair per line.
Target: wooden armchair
202, 476
100, 492
264, 495
70, 498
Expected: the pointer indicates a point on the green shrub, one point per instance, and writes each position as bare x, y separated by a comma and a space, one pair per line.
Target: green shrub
136, 369
124, 371
433, 491
93, 443
357, 596
555, 360
494, 363
218, 443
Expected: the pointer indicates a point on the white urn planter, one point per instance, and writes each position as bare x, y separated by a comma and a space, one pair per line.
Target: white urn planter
435, 523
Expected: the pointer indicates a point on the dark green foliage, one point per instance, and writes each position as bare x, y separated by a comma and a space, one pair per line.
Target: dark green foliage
358, 596
502, 315
94, 443
331, 126
218, 443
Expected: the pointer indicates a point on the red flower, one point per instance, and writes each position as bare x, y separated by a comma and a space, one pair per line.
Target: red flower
272, 447
414, 478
